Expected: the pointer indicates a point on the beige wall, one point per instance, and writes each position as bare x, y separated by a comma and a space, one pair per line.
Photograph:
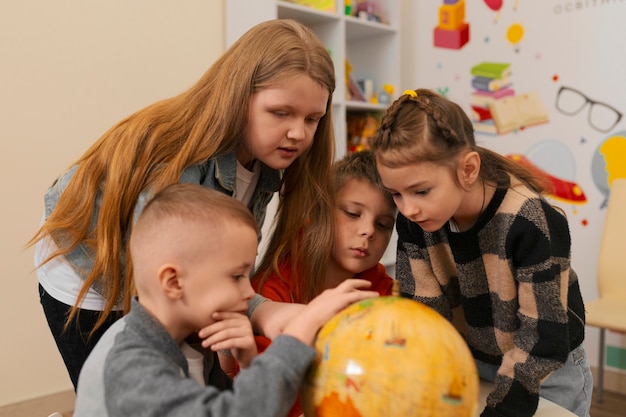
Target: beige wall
68, 71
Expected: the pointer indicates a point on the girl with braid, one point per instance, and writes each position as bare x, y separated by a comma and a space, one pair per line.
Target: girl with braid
479, 243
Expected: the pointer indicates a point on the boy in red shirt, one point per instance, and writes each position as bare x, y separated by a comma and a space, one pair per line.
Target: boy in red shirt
364, 221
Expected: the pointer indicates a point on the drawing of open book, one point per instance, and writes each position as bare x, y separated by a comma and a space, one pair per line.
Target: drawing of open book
517, 112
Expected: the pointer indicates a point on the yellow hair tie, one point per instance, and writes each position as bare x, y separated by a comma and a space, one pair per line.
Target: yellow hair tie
410, 93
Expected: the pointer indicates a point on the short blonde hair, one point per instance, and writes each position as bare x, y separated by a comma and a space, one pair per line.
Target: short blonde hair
187, 203
359, 166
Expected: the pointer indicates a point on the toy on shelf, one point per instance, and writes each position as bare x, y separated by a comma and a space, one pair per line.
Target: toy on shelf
385, 96
366, 86
368, 10
361, 128
353, 90
323, 5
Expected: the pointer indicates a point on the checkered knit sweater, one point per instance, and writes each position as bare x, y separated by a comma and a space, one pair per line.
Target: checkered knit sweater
508, 287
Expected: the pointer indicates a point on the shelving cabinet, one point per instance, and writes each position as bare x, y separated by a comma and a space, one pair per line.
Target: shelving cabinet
371, 48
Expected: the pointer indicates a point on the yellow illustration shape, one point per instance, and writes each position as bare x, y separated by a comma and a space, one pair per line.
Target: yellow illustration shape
614, 152
515, 33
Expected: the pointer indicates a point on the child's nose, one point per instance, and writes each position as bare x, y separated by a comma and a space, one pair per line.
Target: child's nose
410, 210
247, 292
366, 229
297, 130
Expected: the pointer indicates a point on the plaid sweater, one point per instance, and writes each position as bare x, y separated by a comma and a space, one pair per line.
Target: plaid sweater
508, 287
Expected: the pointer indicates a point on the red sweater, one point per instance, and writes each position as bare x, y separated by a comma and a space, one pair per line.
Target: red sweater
278, 289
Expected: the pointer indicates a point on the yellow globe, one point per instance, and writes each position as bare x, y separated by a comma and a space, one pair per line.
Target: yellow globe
390, 357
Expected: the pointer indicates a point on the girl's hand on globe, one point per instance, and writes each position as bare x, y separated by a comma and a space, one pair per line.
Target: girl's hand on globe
306, 324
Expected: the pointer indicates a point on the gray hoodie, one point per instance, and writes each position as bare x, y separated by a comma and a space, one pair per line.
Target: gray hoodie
137, 369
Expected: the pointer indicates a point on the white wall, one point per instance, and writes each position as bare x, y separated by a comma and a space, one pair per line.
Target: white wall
68, 71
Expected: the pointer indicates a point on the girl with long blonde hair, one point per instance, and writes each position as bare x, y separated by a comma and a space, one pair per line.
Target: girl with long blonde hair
257, 122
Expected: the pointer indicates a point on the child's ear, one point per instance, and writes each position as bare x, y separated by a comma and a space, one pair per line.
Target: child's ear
469, 169
169, 281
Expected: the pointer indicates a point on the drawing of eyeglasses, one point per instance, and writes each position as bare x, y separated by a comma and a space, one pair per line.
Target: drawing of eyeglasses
601, 117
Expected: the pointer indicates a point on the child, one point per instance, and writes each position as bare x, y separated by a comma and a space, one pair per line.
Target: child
364, 220
257, 122
192, 250
479, 243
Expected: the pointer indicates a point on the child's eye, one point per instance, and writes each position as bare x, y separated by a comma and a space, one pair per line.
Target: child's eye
385, 225
351, 214
314, 120
281, 113
422, 192
238, 277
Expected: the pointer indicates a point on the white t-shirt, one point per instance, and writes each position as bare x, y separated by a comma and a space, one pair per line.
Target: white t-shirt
195, 363
61, 281
246, 182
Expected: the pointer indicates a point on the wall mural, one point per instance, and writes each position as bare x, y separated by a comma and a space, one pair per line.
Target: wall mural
503, 100
544, 84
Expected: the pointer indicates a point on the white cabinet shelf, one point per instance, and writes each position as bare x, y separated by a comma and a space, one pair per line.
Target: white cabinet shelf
372, 48
304, 14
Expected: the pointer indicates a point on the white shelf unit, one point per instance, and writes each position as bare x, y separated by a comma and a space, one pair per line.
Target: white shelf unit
372, 48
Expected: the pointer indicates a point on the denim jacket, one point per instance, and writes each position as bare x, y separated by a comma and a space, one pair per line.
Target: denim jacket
218, 173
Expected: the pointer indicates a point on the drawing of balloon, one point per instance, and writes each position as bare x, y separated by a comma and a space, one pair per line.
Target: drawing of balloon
515, 33
494, 5
609, 163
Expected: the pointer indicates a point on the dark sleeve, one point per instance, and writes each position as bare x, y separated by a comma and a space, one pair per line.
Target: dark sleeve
538, 247
414, 270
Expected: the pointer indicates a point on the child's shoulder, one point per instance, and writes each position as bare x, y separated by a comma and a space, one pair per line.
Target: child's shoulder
522, 201
381, 281
519, 197
90, 390
105, 344
276, 287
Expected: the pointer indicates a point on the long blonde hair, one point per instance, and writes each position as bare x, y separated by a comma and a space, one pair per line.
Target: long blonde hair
151, 148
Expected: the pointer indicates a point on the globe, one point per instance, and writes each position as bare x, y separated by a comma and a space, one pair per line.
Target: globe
390, 357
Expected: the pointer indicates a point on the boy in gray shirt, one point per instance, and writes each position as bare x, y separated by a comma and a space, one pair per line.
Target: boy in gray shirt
192, 250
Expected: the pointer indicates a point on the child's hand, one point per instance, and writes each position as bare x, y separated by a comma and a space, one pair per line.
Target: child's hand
306, 325
231, 331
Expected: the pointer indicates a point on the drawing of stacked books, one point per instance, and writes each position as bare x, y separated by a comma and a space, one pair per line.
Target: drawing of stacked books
495, 108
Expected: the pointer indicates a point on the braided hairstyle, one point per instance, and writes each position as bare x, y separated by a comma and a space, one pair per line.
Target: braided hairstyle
424, 126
